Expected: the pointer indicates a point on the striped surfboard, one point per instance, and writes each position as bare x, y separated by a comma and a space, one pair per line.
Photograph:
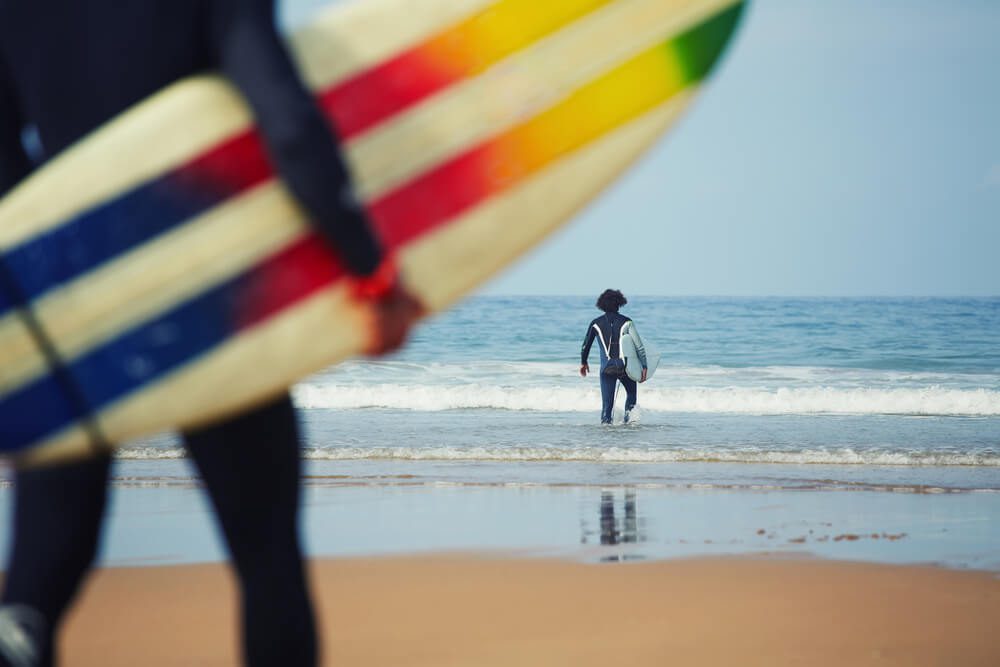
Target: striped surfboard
157, 275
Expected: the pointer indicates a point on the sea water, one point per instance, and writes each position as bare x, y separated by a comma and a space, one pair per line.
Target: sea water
750, 391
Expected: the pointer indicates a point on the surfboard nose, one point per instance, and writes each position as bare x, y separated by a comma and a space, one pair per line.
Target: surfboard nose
699, 48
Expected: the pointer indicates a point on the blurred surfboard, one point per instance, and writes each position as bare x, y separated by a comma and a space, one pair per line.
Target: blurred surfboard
157, 275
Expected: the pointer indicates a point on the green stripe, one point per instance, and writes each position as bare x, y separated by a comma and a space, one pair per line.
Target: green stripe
697, 49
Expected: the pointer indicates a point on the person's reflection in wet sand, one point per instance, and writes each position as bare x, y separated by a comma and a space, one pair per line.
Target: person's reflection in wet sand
610, 533
630, 533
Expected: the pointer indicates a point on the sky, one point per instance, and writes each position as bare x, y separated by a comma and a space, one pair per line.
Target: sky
842, 148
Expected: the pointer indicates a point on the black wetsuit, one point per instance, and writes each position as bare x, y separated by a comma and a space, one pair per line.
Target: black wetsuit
610, 324
66, 67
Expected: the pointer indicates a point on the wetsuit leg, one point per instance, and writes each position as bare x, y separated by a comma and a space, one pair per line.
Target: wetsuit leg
631, 392
251, 467
607, 397
56, 528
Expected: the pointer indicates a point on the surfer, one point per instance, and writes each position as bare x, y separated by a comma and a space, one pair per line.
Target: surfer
66, 67
609, 328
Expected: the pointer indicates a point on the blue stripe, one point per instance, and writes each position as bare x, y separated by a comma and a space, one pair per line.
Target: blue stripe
126, 364
22, 414
101, 233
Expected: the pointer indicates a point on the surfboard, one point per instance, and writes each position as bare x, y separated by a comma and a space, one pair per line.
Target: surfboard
157, 275
633, 365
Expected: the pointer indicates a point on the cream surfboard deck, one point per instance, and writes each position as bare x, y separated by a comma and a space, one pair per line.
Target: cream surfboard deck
159, 276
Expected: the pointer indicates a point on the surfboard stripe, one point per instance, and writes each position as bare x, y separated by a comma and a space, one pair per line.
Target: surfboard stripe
148, 352
524, 84
102, 233
699, 48
460, 52
19, 413
140, 355
623, 93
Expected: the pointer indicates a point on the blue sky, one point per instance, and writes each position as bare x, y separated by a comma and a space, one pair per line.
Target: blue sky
844, 147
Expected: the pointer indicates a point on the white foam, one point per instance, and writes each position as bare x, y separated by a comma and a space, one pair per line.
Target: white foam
931, 400
602, 454
147, 453
486, 371
840, 456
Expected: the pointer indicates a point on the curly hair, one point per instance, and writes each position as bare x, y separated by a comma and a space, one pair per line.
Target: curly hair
611, 300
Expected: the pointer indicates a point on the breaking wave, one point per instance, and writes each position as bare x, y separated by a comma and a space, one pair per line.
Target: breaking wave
823, 456
917, 401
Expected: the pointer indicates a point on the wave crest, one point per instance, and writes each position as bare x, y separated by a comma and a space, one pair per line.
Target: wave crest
924, 401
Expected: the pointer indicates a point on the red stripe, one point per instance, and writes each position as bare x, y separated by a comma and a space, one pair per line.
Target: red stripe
308, 264
374, 95
235, 165
400, 216
428, 200
292, 274
439, 195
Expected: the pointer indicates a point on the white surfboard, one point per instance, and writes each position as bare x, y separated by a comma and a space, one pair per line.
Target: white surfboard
633, 365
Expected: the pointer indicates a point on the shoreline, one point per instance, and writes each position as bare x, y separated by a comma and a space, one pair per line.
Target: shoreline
487, 609
164, 521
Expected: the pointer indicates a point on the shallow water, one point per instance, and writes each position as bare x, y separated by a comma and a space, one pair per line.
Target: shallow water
618, 513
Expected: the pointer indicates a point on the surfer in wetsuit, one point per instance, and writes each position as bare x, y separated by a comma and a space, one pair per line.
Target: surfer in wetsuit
67, 67
609, 327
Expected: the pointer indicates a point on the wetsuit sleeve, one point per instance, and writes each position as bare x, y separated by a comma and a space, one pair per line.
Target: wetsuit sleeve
640, 349
14, 163
588, 340
300, 142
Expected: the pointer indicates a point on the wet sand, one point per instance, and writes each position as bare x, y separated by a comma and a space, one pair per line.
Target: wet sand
485, 610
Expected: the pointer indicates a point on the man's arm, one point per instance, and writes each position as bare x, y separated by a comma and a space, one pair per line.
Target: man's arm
300, 142
304, 150
14, 162
588, 340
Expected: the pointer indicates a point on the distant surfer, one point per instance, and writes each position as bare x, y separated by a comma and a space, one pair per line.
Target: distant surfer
67, 67
609, 328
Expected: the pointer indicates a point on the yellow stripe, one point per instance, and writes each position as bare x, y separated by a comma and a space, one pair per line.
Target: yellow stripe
613, 99
446, 263
528, 82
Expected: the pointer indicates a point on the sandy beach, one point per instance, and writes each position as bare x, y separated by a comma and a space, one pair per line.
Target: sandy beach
469, 609
422, 569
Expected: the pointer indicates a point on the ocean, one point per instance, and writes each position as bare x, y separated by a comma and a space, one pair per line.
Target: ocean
843, 427
866, 391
